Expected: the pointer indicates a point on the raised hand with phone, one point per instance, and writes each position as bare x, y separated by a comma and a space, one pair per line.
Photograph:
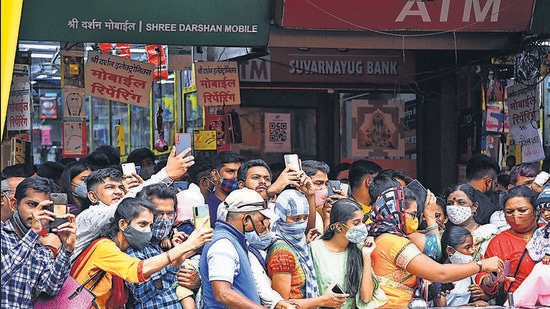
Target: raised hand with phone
178, 163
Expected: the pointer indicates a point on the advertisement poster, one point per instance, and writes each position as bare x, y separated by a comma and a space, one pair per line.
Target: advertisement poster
119, 79
74, 103
523, 108
217, 83
74, 139
497, 118
19, 106
277, 132
376, 129
72, 68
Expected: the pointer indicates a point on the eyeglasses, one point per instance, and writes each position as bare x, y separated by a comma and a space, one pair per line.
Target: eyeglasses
167, 214
6, 193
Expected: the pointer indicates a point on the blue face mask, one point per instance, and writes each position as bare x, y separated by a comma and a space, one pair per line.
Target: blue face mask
357, 234
260, 242
137, 239
161, 228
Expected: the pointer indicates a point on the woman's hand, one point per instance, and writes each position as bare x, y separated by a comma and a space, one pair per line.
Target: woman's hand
494, 264
333, 300
368, 246
312, 234
201, 235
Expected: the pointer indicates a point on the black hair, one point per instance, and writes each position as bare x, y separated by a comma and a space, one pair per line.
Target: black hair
137, 155
453, 237
481, 165
381, 183
97, 160
159, 165
395, 174
37, 183
276, 168
525, 170
99, 176
243, 170
52, 170
311, 167
521, 191
160, 191
18, 170
503, 180
361, 169
128, 209
464, 187
201, 168
111, 152
344, 166
70, 172
342, 210
220, 159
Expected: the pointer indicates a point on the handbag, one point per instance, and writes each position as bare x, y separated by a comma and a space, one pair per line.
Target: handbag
72, 295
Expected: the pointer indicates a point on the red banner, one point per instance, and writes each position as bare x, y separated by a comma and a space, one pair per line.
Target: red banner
409, 15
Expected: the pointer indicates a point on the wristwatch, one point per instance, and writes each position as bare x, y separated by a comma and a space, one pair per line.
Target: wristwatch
480, 265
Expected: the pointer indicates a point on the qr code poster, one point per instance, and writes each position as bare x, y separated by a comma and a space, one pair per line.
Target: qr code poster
277, 132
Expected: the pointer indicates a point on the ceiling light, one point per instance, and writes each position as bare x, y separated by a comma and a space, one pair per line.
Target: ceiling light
42, 55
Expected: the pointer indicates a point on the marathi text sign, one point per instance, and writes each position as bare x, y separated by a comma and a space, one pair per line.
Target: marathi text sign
173, 22
410, 15
277, 132
217, 83
524, 118
19, 108
118, 79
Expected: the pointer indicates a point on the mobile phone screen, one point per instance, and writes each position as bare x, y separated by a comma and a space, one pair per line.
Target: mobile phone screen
128, 168
292, 161
333, 185
180, 185
420, 192
183, 141
337, 289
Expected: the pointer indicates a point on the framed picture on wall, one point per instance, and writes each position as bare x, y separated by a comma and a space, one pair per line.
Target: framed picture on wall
376, 128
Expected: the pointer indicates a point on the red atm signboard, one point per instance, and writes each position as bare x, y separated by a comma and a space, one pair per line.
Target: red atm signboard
409, 15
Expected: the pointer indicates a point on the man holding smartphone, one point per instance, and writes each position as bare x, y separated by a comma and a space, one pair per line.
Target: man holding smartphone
29, 268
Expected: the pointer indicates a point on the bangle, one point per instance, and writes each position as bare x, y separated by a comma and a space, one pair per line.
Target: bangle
168, 256
431, 227
270, 196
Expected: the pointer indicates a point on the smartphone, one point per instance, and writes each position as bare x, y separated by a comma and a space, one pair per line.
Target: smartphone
541, 178
183, 141
201, 214
292, 161
333, 185
505, 272
337, 289
437, 287
345, 188
59, 208
180, 186
420, 192
128, 169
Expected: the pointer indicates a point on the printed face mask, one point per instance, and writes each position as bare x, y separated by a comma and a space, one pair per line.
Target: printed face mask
161, 228
229, 184
411, 225
460, 258
357, 234
458, 214
137, 239
321, 196
81, 191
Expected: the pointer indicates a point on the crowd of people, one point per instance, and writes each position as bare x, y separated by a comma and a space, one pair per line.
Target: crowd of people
275, 238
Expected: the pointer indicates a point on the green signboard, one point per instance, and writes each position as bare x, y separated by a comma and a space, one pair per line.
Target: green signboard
206, 22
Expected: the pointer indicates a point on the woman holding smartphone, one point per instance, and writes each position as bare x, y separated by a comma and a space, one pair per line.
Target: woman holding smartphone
342, 256
131, 226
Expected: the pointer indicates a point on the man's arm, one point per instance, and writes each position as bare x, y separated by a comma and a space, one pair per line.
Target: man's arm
230, 298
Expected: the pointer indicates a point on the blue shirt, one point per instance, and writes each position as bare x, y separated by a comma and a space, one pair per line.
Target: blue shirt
29, 268
146, 295
213, 202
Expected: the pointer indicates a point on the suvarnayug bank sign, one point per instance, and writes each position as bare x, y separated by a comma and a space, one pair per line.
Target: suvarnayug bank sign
330, 66
408, 15
205, 22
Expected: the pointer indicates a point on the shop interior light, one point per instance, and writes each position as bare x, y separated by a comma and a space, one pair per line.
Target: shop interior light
25, 47
42, 55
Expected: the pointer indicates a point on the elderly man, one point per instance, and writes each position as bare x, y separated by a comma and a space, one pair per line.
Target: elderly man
224, 266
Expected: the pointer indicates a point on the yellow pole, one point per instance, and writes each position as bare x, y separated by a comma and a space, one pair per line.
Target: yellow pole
11, 16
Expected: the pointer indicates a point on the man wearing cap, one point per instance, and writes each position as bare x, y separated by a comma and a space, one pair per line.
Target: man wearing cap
224, 266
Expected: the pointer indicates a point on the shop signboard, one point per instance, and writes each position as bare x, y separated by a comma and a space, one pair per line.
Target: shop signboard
410, 15
19, 106
524, 119
174, 22
217, 83
118, 79
330, 66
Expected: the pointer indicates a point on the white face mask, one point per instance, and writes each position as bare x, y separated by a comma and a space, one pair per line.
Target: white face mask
460, 258
458, 214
